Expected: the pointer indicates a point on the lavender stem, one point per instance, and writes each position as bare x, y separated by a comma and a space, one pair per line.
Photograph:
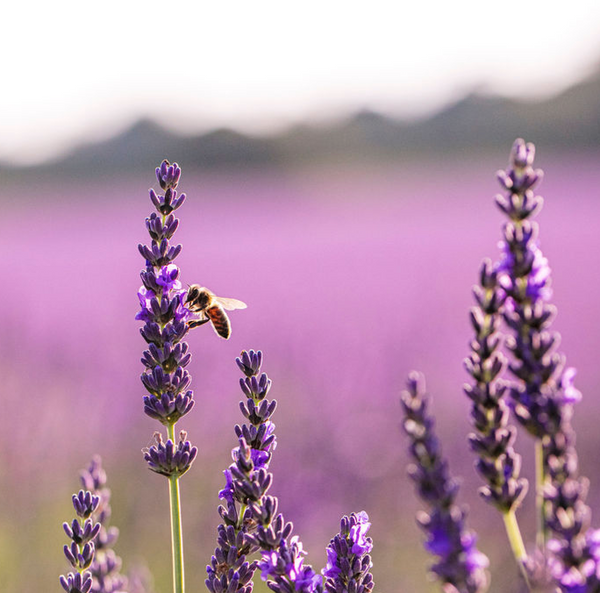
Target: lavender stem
516, 542
540, 480
176, 535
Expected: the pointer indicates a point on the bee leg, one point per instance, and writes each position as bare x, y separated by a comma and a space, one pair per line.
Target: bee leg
197, 322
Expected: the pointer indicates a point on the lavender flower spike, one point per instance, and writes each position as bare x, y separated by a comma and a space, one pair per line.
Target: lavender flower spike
165, 316
106, 565
524, 275
245, 499
348, 561
249, 514
461, 566
493, 440
80, 553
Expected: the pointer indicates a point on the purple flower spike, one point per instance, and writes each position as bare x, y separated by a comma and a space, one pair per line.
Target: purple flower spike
460, 565
542, 392
106, 566
250, 522
493, 441
348, 561
168, 460
165, 315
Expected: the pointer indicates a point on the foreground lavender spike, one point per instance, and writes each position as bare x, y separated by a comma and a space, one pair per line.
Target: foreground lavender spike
82, 533
348, 561
106, 565
245, 499
165, 316
461, 566
249, 513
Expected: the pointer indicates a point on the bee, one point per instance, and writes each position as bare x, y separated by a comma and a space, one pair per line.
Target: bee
212, 308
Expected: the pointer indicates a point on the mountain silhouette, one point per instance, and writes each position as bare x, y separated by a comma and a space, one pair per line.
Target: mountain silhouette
568, 120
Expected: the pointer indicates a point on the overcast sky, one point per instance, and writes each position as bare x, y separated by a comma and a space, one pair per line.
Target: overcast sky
83, 69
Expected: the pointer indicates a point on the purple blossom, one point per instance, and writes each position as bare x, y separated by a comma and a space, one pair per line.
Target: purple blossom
358, 534
348, 561
167, 278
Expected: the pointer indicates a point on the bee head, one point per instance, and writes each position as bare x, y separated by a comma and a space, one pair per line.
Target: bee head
198, 297
192, 293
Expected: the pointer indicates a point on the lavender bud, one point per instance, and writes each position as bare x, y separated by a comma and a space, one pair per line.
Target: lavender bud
85, 503
76, 582
249, 362
168, 460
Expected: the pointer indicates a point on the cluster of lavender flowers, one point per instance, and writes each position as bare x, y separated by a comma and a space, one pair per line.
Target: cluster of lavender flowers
513, 310
250, 524
528, 382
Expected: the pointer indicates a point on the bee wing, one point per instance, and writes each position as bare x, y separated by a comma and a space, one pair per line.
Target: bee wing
230, 304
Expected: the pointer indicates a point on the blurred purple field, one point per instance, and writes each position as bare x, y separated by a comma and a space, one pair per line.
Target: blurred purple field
353, 277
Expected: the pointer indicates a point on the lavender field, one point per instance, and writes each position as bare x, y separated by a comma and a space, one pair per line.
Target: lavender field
352, 276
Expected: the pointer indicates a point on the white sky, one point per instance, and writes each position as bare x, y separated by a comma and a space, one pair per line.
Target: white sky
85, 69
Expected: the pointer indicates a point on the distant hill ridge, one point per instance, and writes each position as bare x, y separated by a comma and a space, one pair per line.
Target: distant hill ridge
476, 122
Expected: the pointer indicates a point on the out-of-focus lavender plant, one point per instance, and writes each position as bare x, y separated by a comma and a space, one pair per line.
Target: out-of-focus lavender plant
163, 311
493, 441
543, 393
82, 531
460, 565
105, 568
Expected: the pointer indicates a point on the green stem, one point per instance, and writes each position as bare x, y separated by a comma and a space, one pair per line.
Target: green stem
176, 538
540, 478
516, 542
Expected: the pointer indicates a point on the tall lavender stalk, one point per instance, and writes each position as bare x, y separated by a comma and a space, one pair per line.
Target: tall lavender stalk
498, 463
460, 565
542, 392
250, 520
164, 314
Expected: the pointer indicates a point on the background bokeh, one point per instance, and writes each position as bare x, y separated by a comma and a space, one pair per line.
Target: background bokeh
353, 235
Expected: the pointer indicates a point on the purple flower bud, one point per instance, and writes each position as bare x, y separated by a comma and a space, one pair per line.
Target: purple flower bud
85, 503
76, 582
168, 175
167, 459
249, 362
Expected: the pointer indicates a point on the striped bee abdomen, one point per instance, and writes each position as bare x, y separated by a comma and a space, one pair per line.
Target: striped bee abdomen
219, 321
